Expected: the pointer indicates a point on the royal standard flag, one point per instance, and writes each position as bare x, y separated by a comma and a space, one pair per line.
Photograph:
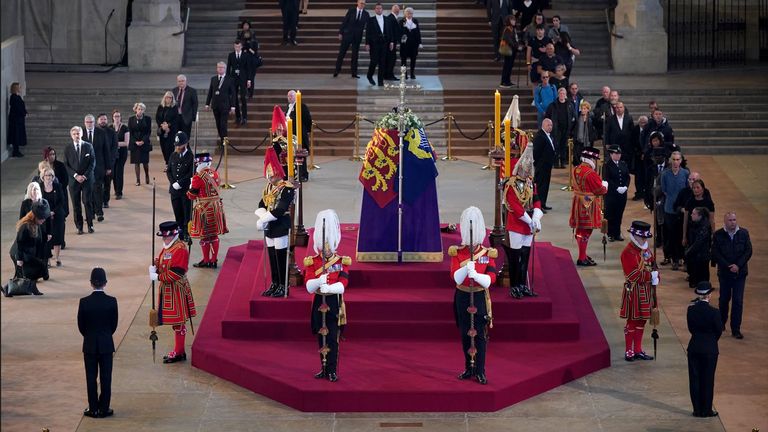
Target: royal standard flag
419, 168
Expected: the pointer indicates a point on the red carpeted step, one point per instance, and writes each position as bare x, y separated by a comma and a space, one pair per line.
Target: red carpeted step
417, 304
551, 330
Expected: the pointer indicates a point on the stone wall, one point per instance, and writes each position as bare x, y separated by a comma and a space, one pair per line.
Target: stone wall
12, 71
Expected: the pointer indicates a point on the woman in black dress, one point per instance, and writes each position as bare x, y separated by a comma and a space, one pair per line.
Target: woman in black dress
28, 250
55, 197
17, 113
60, 170
248, 38
140, 144
167, 119
410, 41
121, 129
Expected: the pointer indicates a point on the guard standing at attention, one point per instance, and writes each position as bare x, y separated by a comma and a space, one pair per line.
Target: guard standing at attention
616, 173
639, 294
473, 269
181, 167
705, 326
586, 211
327, 276
208, 221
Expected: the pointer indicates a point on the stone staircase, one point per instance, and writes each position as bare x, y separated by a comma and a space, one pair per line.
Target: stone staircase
55, 111
721, 121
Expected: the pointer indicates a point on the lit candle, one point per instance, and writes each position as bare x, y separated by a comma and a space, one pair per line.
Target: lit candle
290, 150
298, 118
497, 119
507, 150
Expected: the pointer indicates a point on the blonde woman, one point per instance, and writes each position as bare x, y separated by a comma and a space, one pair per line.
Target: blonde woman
140, 144
31, 196
121, 129
167, 120
52, 192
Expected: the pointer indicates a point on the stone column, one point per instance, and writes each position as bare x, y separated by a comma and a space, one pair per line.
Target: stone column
151, 44
643, 48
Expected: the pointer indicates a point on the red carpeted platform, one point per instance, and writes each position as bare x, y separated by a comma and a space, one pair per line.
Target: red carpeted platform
402, 350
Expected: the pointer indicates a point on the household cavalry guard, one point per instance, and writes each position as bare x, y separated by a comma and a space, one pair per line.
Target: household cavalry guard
473, 270
586, 207
523, 221
208, 221
275, 220
639, 294
175, 301
279, 137
327, 276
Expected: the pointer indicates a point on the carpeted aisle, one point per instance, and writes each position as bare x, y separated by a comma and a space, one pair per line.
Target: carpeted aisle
402, 349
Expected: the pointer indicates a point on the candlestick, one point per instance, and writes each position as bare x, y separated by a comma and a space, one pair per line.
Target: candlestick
298, 118
497, 119
507, 149
290, 150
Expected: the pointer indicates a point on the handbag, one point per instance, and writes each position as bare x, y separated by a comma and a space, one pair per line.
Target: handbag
258, 62
504, 48
19, 286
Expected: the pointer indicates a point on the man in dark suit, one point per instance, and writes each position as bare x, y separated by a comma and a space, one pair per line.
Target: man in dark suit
378, 41
186, 101
103, 157
239, 67
497, 11
351, 34
290, 12
81, 162
706, 327
619, 130
103, 123
97, 322
393, 19
221, 97
543, 160
181, 168
616, 173
306, 127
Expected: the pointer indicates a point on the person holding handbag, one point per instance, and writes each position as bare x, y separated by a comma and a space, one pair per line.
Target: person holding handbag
29, 252
509, 45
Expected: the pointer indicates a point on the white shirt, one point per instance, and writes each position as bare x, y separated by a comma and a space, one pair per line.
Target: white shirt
620, 119
380, 20
550, 140
290, 109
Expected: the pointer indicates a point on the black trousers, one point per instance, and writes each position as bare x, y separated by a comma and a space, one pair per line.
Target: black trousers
698, 271
332, 339
378, 52
517, 261
560, 139
615, 203
82, 193
389, 68
185, 127
731, 288
346, 43
119, 172
701, 381
496, 28
541, 178
97, 196
107, 186
221, 116
673, 236
167, 145
182, 208
290, 21
461, 303
506, 69
241, 99
98, 366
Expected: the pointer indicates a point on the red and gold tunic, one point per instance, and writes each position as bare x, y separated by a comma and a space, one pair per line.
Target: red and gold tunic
484, 264
639, 296
176, 304
337, 268
586, 211
520, 196
208, 213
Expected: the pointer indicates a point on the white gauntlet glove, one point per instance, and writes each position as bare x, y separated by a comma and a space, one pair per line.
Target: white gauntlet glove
655, 277
176, 185
621, 189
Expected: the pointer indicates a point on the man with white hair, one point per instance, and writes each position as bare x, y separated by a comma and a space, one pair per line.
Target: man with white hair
586, 212
207, 222
80, 161
523, 222
327, 276
186, 102
221, 97
474, 270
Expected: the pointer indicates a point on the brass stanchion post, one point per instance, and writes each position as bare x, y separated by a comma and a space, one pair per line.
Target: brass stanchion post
312, 165
569, 187
356, 152
449, 155
225, 144
490, 146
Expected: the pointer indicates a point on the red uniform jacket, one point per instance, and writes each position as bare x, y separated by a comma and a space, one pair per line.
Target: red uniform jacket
586, 211
175, 295
639, 296
337, 268
207, 219
484, 261
520, 196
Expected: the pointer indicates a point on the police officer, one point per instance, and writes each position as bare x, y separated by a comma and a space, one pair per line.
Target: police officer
616, 173
181, 168
706, 327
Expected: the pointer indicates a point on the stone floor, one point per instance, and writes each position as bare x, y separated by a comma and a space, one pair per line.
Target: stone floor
41, 370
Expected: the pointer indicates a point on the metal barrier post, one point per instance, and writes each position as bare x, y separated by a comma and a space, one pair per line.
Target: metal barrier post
225, 144
311, 165
356, 152
569, 187
490, 146
449, 155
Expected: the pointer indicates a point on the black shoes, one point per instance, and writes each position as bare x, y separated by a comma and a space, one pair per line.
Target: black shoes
90, 229
174, 358
322, 374
355, 76
546, 208
738, 335
514, 292
585, 263
371, 81
335, 74
91, 413
712, 413
118, 197
629, 356
642, 356
106, 205
481, 378
279, 291
332, 377
525, 290
294, 43
108, 413
268, 292
466, 374
100, 218
79, 231
201, 264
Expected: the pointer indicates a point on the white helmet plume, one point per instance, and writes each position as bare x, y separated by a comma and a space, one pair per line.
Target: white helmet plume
478, 226
525, 163
332, 231
513, 113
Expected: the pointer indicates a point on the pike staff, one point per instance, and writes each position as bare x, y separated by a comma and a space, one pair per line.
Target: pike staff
153, 312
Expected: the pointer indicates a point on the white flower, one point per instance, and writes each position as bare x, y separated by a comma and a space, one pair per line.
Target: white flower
391, 121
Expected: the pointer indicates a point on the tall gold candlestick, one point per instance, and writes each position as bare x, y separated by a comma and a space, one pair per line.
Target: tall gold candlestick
298, 118
290, 150
507, 149
497, 119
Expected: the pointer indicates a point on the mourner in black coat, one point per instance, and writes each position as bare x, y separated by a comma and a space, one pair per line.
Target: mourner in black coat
705, 327
393, 18
621, 134
543, 160
239, 64
410, 41
97, 322
221, 98
497, 12
290, 12
351, 35
186, 103
17, 113
81, 163
102, 149
379, 40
